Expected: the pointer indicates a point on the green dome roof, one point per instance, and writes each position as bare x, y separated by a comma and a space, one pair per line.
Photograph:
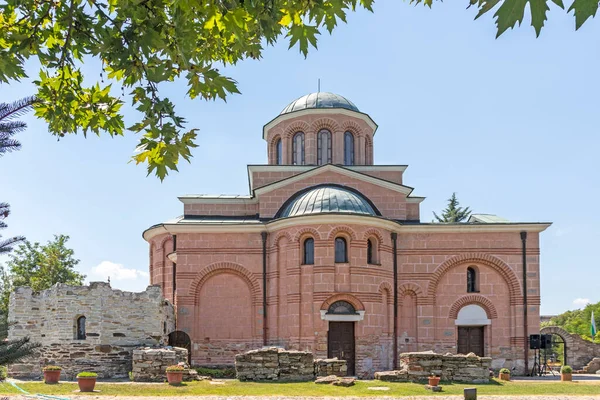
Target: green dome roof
320, 100
327, 199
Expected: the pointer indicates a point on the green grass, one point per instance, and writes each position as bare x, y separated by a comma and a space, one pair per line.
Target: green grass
236, 388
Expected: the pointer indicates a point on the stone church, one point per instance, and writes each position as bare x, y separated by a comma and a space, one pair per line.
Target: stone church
328, 253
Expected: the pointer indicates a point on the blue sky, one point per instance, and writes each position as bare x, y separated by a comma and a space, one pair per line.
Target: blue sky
509, 124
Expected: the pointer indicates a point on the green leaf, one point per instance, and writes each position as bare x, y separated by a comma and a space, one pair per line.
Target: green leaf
509, 14
583, 9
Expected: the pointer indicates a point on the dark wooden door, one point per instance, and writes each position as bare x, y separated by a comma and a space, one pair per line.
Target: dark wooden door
470, 340
340, 343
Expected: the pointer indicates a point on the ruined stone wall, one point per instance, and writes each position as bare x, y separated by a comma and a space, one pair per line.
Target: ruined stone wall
417, 366
579, 351
150, 364
116, 322
275, 364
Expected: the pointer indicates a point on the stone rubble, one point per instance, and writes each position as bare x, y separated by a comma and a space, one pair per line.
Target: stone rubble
150, 364
593, 366
331, 366
419, 366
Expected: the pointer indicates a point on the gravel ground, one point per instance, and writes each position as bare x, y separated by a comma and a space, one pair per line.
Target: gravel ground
319, 398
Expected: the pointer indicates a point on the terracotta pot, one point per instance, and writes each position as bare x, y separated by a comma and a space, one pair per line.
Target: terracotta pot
86, 384
505, 377
174, 378
51, 376
566, 377
434, 380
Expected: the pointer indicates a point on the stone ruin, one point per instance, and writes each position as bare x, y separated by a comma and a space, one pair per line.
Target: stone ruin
116, 323
418, 366
277, 364
593, 366
150, 364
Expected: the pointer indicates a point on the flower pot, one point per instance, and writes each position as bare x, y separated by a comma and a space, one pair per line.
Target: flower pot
434, 380
566, 377
86, 384
51, 376
504, 377
174, 378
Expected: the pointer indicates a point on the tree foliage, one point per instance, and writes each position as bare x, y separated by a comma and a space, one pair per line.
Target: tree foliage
9, 125
510, 13
140, 45
6, 245
453, 213
578, 321
14, 350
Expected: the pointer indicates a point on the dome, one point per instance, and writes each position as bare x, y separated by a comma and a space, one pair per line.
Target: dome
327, 199
319, 100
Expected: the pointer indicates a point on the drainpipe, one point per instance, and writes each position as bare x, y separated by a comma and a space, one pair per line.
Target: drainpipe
264, 259
174, 268
395, 247
525, 327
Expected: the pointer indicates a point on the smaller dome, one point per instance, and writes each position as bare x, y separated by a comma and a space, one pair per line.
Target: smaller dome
319, 100
326, 199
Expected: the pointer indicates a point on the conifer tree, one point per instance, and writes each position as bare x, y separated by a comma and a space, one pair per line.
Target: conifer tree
9, 112
453, 213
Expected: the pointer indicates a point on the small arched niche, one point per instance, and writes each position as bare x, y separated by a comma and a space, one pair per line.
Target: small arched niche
472, 315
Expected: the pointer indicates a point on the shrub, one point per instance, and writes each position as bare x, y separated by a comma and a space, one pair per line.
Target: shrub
505, 371
52, 368
131, 375
87, 375
566, 369
175, 368
217, 373
3, 372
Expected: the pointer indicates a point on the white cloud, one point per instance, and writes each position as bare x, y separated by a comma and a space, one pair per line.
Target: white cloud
117, 272
579, 302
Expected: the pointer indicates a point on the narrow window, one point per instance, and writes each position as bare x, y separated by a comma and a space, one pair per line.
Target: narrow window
81, 328
323, 147
370, 259
348, 148
341, 255
471, 280
278, 154
298, 149
309, 251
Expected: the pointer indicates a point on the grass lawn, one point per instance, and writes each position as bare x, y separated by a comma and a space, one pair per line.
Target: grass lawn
236, 388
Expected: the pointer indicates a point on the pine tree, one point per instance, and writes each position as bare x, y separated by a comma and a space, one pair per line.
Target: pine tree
453, 213
9, 127
12, 351
6, 245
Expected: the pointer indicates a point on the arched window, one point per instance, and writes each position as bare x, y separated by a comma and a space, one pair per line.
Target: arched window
323, 147
278, 152
341, 250
348, 148
309, 251
370, 252
81, 328
298, 149
471, 280
341, 307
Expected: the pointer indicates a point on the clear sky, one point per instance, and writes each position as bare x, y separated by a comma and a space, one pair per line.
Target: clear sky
510, 124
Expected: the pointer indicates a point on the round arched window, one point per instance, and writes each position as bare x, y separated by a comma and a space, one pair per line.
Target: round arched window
341, 307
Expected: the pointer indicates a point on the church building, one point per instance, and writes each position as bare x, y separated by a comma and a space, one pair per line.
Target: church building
328, 253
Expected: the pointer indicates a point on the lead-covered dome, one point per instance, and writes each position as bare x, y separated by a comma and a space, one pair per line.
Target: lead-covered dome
327, 199
320, 100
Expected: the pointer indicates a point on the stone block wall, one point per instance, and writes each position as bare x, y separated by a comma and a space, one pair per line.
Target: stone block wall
150, 364
274, 364
416, 367
116, 323
331, 366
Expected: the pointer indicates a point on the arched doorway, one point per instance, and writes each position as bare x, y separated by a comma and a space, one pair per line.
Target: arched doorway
471, 323
181, 339
340, 337
553, 355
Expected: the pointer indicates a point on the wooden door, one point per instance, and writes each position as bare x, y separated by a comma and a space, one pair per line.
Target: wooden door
470, 340
340, 343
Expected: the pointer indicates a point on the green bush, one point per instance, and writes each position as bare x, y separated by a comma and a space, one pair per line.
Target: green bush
217, 373
505, 371
566, 369
52, 368
87, 375
3, 372
131, 376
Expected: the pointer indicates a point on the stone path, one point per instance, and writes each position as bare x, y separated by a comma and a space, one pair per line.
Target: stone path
317, 398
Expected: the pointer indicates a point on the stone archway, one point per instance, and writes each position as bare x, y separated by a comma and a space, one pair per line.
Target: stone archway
578, 352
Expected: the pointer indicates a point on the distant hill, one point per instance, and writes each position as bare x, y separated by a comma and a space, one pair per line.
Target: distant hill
578, 321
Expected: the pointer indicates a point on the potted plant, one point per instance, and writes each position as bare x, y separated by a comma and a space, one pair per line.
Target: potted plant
51, 373
86, 381
175, 374
434, 380
566, 373
505, 374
